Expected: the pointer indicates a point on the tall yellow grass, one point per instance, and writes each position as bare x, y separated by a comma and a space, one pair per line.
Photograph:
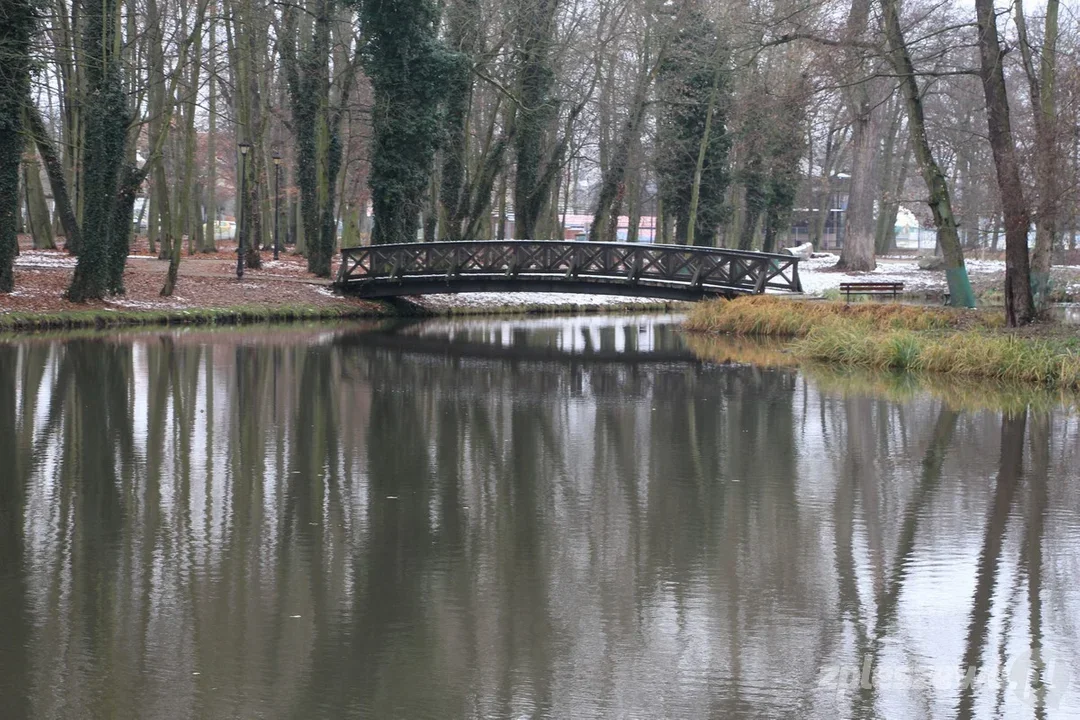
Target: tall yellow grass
765, 315
897, 337
960, 392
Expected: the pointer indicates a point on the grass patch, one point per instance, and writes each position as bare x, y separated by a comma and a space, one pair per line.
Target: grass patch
958, 392
765, 315
972, 353
891, 337
240, 315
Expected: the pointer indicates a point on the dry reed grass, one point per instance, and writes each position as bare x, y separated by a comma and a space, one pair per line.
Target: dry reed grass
898, 337
767, 315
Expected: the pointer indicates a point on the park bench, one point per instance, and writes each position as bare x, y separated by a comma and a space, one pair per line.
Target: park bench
871, 288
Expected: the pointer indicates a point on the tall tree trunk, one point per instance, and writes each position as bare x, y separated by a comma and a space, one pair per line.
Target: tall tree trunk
1043, 87
858, 251
406, 65
106, 138
187, 203
1019, 306
300, 245
462, 36
699, 166
893, 163
633, 194
37, 209
537, 111
754, 201
209, 243
54, 170
613, 183
189, 200
940, 201
502, 207
243, 31
15, 31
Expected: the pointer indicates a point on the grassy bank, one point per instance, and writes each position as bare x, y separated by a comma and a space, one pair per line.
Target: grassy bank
240, 315
961, 343
28, 322
957, 392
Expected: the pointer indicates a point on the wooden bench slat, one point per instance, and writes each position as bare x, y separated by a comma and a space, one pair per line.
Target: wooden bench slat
871, 288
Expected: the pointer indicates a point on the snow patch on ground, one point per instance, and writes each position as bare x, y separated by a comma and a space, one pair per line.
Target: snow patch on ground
45, 259
817, 275
172, 304
985, 267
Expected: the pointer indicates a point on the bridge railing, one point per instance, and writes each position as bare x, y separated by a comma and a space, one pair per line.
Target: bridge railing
698, 269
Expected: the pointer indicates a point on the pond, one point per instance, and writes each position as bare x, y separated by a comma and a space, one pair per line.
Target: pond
522, 518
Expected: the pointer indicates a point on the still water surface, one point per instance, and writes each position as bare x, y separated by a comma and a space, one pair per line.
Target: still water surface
548, 518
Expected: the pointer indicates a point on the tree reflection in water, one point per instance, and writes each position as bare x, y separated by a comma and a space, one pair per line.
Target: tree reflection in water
557, 518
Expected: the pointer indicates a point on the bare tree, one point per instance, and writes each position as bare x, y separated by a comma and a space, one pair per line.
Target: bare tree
940, 200
1019, 308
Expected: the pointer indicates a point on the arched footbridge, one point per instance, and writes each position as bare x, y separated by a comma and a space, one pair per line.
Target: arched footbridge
672, 272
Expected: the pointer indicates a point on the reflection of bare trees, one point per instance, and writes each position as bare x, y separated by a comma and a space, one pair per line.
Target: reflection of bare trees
1011, 468
220, 527
1031, 558
888, 593
13, 591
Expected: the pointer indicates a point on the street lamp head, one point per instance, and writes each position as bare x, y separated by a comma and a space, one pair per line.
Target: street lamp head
277, 158
244, 147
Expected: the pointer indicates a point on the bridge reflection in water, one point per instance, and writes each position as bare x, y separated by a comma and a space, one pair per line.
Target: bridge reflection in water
672, 272
313, 522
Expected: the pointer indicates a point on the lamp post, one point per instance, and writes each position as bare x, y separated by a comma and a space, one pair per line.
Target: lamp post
243, 147
277, 202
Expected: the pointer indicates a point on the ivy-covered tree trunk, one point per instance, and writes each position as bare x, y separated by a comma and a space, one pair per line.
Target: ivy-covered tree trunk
318, 148
107, 118
694, 87
131, 179
711, 111
754, 180
15, 31
408, 69
783, 186
536, 113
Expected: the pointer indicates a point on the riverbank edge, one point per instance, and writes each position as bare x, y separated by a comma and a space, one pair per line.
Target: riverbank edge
28, 323
893, 337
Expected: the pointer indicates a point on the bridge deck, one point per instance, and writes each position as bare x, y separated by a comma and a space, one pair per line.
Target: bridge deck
675, 272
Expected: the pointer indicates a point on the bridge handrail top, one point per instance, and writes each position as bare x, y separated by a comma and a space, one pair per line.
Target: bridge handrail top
582, 243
